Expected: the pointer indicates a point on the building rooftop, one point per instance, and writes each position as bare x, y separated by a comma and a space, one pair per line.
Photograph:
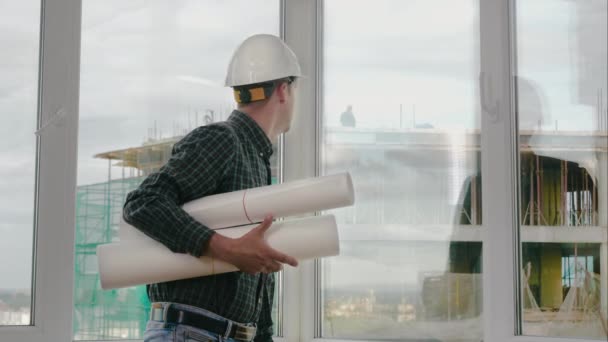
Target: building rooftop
155, 153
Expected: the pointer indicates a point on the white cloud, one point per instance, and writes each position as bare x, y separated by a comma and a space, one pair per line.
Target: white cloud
198, 80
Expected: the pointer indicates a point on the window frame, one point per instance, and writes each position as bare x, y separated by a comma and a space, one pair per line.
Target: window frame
302, 28
58, 81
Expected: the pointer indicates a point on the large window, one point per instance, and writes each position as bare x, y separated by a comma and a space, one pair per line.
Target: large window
563, 130
19, 30
151, 71
422, 101
400, 113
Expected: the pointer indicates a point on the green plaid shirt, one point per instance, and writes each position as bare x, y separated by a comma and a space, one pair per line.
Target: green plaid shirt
217, 158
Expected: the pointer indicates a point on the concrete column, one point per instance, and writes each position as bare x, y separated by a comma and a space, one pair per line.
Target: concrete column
551, 276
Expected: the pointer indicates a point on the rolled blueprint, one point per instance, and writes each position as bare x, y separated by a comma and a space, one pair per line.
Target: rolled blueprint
146, 261
280, 200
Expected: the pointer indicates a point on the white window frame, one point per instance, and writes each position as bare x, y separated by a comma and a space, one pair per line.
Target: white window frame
56, 176
302, 28
302, 33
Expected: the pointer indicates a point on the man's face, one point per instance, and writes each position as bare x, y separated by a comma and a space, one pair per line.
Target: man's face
290, 105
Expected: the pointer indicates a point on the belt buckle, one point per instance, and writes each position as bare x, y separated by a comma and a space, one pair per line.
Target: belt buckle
244, 333
156, 312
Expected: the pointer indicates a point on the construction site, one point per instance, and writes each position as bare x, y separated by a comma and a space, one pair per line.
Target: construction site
117, 313
563, 205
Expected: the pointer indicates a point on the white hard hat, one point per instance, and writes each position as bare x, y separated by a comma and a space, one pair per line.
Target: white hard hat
262, 58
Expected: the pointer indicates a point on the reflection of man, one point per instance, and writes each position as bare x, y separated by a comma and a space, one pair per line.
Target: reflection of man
217, 158
465, 258
348, 118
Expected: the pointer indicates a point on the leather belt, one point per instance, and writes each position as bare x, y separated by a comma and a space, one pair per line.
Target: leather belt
225, 327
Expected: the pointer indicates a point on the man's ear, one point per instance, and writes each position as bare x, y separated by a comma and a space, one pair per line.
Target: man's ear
282, 91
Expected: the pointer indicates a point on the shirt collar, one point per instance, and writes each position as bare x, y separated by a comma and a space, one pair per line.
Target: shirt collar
253, 131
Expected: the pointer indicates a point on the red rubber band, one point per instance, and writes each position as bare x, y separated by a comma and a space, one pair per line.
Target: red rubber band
245, 207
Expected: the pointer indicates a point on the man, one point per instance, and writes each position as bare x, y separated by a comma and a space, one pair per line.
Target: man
348, 118
217, 158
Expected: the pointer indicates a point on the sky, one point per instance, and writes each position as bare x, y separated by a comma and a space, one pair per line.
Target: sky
147, 63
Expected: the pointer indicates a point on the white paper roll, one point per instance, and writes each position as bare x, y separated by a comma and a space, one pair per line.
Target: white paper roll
280, 200
299, 197
146, 261
252, 205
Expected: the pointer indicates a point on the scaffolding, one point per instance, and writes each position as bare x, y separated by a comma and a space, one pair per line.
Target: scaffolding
117, 313
580, 313
100, 314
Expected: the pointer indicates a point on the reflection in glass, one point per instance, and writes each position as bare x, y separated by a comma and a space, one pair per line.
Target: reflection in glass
561, 102
400, 114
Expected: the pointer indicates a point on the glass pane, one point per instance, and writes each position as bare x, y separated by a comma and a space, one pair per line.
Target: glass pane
151, 71
401, 115
19, 35
563, 128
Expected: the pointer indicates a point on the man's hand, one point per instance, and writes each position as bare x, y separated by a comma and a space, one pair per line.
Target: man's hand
250, 253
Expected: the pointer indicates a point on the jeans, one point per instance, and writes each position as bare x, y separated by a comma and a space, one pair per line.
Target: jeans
159, 331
